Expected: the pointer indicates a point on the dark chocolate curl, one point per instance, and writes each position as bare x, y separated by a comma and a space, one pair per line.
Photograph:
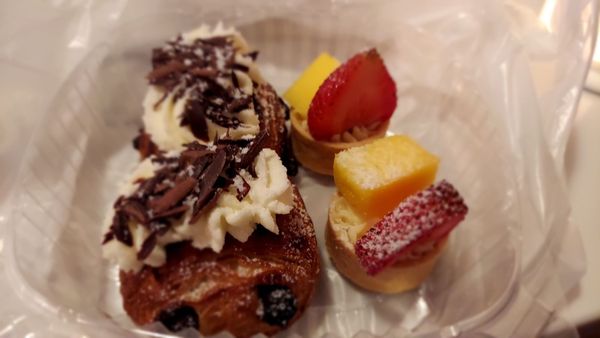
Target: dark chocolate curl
243, 190
253, 55
207, 181
173, 196
195, 117
255, 147
136, 211
165, 70
147, 247
120, 229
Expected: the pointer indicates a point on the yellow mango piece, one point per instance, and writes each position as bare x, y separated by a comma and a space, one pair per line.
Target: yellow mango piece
301, 93
376, 177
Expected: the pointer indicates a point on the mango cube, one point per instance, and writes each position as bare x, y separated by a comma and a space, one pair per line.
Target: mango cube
376, 177
301, 93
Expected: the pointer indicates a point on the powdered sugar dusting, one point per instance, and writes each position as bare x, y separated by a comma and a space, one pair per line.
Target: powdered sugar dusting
425, 216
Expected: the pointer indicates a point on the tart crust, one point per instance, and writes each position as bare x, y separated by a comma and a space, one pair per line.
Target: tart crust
400, 277
318, 156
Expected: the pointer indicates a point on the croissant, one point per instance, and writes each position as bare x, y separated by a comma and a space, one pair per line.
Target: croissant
258, 281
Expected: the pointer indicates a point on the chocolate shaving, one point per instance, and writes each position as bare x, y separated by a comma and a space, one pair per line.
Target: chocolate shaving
178, 94
136, 211
144, 145
201, 164
174, 195
195, 145
253, 55
206, 203
165, 70
243, 190
120, 229
234, 80
147, 247
119, 202
159, 57
160, 101
204, 72
147, 187
214, 168
160, 227
209, 178
215, 90
224, 180
161, 187
190, 156
216, 41
255, 147
109, 236
241, 67
222, 120
242, 142
194, 116
207, 181
160, 158
240, 104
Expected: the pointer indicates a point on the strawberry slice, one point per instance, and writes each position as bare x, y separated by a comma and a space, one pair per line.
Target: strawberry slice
358, 93
423, 217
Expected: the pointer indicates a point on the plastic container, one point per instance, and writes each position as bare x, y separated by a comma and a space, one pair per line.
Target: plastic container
464, 93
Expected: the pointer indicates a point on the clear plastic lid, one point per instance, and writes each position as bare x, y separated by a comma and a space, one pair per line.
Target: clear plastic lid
468, 76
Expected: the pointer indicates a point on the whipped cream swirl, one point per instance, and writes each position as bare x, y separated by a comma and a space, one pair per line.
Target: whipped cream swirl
268, 193
201, 87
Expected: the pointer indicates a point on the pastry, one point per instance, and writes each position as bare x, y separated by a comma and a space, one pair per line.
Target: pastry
208, 232
339, 107
341, 233
260, 286
388, 223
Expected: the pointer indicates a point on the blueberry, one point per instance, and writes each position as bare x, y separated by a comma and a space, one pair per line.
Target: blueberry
277, 304
179, 318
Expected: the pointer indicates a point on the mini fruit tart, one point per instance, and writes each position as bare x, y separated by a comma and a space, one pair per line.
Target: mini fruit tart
388, 223
336, 107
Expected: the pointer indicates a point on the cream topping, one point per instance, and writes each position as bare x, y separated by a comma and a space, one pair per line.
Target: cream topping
270, 194
163, 115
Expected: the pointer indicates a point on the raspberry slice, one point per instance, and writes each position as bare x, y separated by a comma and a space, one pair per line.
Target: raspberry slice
426, 216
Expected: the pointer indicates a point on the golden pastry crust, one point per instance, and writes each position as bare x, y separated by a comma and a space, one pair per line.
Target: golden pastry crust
340, 235
317, 155
223, 288
272, 117
234, 289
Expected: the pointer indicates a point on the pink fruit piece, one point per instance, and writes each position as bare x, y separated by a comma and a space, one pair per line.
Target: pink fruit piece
358, 93
423, 217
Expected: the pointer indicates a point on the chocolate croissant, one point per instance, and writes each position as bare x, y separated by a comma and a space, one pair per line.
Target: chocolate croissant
209, 233
260, 286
